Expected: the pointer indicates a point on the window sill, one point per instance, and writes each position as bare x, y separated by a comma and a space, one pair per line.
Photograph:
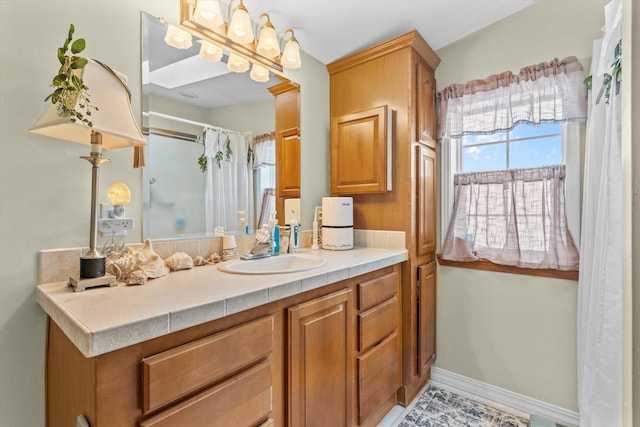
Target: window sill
486, 265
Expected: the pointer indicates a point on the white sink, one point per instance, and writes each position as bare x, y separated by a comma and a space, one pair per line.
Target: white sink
287, 263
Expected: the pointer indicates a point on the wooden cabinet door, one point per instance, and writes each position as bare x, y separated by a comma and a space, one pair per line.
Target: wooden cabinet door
426, 199
425, 103
318, 361
288, 163
426, 317
359, 152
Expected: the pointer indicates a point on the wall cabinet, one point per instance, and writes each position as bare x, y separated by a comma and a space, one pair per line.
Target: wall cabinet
329, 357
399, 74
359, 152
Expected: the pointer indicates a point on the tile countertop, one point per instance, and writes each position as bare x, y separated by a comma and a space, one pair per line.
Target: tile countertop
101, 320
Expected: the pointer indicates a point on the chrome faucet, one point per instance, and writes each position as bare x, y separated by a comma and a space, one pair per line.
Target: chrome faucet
261, 247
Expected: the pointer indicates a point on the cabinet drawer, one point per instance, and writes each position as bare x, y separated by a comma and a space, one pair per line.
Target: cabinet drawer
243, 400
378, 376
175, 373
374, 291
376, 323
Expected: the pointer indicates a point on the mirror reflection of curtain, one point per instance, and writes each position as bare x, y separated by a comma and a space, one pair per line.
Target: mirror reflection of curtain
228, 187
264, 166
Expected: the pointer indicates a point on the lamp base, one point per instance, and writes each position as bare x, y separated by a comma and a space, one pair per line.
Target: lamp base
79, 284
92, 265
92, 273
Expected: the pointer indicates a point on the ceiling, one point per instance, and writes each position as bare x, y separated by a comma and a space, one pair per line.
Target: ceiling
329, 30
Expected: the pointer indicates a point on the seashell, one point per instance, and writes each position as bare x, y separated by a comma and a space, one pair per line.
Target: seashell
144, 259
199, 260
214, 258
138, 277
179, 261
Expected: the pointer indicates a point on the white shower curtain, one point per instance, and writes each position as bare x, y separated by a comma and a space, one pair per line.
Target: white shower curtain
228, 187
600, 284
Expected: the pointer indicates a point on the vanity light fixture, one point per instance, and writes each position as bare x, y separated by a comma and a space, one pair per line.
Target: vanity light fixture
240, 26
177, 37
268, 45
210, 52
237, 64
291, 55
113, 126
239, 40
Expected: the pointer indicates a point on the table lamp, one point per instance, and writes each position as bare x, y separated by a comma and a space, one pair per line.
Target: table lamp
113, 126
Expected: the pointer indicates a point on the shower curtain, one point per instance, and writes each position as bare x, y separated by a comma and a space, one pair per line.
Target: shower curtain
600, 283
229, 183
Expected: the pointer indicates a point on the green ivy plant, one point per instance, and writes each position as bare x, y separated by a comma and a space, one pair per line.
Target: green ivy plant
69, 87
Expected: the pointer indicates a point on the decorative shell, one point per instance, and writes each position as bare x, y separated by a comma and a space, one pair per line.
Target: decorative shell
199, 260
179, 261
144, 259
138, 277
214, 259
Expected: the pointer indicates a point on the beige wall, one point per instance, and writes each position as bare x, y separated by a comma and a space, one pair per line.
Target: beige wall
512, 331
44, 186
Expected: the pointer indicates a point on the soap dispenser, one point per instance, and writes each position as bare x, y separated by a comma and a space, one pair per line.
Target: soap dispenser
274, 232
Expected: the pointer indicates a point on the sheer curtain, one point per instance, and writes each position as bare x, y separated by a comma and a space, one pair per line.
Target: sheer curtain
229, 182
511, 217
600, 283
549, 92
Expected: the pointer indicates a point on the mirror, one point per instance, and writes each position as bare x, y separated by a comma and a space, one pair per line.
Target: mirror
193, 107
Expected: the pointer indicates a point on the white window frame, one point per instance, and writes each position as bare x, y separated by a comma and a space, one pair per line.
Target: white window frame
450, 164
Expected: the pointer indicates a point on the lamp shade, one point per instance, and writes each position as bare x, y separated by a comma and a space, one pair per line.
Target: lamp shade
113, 117
259, 73
178, 38
240, 27
237, 64
291, 55
208, 13
210, 51
268, 43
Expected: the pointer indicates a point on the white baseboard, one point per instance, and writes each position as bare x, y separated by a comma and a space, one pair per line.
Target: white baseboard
505, 397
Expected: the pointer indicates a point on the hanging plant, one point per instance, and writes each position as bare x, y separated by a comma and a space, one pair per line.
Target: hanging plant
227, 149
70, 90
202, 163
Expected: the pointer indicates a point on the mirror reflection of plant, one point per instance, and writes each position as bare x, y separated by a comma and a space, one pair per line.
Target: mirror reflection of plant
69, 87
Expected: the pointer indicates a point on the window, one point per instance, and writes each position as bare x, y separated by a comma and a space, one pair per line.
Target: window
524, 146
507, 181
510, 149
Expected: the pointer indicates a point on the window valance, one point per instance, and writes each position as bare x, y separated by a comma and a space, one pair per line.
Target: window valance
549, 92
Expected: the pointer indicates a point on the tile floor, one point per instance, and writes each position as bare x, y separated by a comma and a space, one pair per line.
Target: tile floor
441, 407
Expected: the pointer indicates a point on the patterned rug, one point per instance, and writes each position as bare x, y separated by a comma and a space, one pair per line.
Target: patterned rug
437, 407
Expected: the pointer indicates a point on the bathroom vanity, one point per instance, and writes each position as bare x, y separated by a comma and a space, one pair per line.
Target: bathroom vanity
204, 347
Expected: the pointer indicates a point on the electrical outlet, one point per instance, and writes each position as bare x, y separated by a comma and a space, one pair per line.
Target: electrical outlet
114, 226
